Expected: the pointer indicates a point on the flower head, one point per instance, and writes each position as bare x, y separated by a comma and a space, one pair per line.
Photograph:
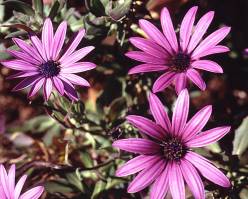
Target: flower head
8, 189
165, 158
179, 58
43, 63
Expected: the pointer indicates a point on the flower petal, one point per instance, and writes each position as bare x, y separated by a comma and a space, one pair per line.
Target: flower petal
168, 29
137, 164
215, 50
196, 123
78, 67
161, 185
196, 78
19, 186
163, 81
11, 179
180, 82
147, 126
146, 177
158, 111
69, 89
200, 29
24, 56
58, 85
192, 179
23, 74
47, 38
144, 57
144, 68
4, 181
180, 113
36, 87
208, 137
186, 27
47, 89
176, 182
207, 65
33, 193
137, 145
28, 81
19, 65
75, 79
36, 42
207, 169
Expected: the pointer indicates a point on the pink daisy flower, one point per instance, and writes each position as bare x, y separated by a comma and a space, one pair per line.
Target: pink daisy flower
165, 158
179, 59
43, 63
8, 189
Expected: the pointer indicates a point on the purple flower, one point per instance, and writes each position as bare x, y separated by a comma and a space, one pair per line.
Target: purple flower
8, 189
179, 60
165, 158
246, 51
43, 63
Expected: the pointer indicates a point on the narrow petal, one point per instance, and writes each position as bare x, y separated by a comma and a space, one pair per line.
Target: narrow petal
168, 29
180, 113
163, 81
208, 137
69, 89
196, 78
47, 38
137, 164
36, 42
215, 50
210, 41
23, 74
33, 193
197, 123
47, 89
24, 56
207, 65
28, 81
4, 181
180, 82
192, 179
19, 186
58, 85
144, 68
146, 177
186, 27
78, 67
149, 47
59, 39
147, 126
36, 87
176, 182
11, 179
137, 145
207, 169
158, 111
19, 65
161, 185
154, 34
145, 57
75, 79
200, 29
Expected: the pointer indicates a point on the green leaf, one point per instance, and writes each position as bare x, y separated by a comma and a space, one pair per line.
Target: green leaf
56, 8
75, 179
119, 10
97, 8
20, 6
86, 159
20, 26
38, 6
15, 34
99, 188
61, 186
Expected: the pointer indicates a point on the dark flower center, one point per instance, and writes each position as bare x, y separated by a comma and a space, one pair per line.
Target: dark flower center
180, 62
49, 69
173, 149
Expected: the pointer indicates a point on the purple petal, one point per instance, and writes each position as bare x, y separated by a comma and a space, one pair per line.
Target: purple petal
58, 85
207, 169
36, 87
149, 47
147, 126
33, 193
4, 181
47, 89
144, 57
59, 39
180, 82
137, 164
186, 27
215, 50
196, 78
19, 65
47, 38
208, 137
154, 34
24, 56
76, 56
11, 179
69, 89
158, 111
144, 68
207, 65
39, 47
161, 185
163, 81
168, 29
23, 74
180, 113
78, 67
146, 177
196, 123
192, 179
200, 29
176, 182
19, 186
210, 41
28, 81
137, 145
74, 44
75, 79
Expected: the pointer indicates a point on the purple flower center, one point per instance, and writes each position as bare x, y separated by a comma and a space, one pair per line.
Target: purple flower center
173, 149
49, 69
180, 62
